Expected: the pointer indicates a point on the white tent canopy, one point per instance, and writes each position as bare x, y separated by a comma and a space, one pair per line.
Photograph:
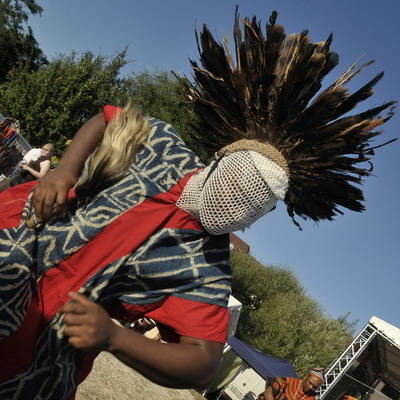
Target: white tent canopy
390, 350
234, 307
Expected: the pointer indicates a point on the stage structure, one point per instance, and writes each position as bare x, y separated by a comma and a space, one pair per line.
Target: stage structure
369, 368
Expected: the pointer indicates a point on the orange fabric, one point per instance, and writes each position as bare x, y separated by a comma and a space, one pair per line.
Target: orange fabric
289, 389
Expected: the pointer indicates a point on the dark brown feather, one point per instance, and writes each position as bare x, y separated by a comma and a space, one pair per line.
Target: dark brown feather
272, 91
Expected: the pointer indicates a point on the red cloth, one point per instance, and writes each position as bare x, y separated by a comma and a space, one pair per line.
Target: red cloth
110, 112
8, 132
12, 203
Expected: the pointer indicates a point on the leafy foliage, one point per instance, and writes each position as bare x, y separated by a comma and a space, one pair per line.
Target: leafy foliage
160, 95
53, 102
19, 48
279, 319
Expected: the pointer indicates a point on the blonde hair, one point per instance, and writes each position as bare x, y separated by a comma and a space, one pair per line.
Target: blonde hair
123, 137
50, 148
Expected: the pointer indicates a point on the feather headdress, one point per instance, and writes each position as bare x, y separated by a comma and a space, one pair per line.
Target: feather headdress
271, 94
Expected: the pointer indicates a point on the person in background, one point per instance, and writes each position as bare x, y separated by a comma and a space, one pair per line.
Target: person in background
293, 388
31, 155
35, 164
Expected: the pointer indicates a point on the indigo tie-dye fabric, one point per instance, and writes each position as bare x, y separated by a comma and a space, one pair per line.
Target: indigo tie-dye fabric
130, 245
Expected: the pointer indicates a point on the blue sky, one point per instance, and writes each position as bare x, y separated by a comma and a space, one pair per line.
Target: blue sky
350, 265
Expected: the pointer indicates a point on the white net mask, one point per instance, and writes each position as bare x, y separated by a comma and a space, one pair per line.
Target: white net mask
243, 187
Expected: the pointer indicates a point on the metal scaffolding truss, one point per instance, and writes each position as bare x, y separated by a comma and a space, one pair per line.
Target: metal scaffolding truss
343, 363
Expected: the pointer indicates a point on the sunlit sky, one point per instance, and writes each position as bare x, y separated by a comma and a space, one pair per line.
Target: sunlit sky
350, 265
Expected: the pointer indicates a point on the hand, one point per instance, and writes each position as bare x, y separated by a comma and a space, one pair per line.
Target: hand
24, 167
87, 324
52, 191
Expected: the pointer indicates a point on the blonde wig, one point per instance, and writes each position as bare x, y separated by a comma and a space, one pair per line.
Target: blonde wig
122, 139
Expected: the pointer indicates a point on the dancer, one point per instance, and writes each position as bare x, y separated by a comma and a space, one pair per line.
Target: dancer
34, 167
145, 230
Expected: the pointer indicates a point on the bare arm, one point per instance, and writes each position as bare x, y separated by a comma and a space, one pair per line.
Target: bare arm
188, 364
53, 188
81, 147
44, 168
268, 394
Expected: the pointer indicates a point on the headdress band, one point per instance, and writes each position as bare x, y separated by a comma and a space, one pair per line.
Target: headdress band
262, 148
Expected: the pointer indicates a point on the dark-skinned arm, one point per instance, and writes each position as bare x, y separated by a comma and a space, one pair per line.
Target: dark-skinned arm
268, 393
53, 188
190, 363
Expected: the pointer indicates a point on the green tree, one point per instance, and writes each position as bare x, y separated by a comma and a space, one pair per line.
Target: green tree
54, 101
19, 48
281, 320
160, 95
